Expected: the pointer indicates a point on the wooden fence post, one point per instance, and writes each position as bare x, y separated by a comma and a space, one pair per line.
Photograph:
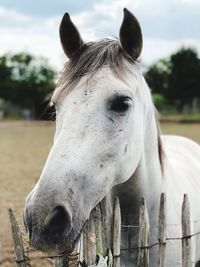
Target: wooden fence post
110, 258
61, 261
17, 240
186, 233
143, 240
162, 231
116, 236
89, 243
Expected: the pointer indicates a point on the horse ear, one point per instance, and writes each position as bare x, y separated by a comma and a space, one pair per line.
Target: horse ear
69, 36
131, 35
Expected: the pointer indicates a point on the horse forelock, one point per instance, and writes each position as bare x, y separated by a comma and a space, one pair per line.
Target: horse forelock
90, 58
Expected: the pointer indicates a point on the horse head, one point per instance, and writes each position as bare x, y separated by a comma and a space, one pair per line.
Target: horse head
100, 111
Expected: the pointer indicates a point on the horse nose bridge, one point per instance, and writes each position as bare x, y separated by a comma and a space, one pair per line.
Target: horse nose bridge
46, 196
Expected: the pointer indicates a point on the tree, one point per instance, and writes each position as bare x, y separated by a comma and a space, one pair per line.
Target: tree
184, 78
28, 80
176, 78
157, 76
5, 77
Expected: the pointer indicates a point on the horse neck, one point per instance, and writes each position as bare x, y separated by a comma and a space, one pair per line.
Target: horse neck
146, 180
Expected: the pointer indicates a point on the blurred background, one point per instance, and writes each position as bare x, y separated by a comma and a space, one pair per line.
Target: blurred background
31, 57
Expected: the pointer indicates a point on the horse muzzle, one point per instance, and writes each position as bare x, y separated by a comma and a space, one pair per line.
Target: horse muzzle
53, 232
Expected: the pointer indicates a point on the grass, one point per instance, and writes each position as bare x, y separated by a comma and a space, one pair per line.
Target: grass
24, 147
181, 118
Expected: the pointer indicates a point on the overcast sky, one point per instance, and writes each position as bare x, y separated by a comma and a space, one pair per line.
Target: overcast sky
32, 25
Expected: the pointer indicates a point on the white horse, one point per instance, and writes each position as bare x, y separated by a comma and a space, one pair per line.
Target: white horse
107, 142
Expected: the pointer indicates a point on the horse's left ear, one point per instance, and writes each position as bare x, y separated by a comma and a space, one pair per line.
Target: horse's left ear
131, 35
69, 36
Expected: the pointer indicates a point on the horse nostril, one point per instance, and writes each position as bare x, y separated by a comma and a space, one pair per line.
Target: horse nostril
57, 224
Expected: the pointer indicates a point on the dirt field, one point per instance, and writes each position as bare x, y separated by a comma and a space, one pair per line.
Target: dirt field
24, 147
191, 130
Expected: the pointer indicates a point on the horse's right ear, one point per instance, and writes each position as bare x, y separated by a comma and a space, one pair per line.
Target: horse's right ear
69, 36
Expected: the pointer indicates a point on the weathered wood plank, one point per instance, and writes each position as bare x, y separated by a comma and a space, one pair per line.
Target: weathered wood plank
162, 231
17, 240
61, 261
116, 236
143, 240
89, 243
186, 233
110, 258
116, 242
102, 227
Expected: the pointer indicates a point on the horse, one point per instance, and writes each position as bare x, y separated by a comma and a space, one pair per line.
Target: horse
107, 143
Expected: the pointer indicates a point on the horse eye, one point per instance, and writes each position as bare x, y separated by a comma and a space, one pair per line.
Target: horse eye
121, 104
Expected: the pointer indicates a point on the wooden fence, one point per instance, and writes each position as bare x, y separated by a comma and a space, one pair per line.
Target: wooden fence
89, 246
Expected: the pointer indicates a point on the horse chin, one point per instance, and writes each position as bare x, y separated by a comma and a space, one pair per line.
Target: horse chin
53, 248
65, 245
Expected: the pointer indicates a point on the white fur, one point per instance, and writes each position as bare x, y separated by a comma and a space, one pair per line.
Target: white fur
88, 158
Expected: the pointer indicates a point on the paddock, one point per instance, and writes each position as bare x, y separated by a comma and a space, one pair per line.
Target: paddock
21, 165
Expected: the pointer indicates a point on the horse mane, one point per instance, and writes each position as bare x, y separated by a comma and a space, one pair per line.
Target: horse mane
90, 58
161, 152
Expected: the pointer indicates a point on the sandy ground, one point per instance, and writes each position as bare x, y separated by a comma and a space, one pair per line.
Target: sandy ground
24, 147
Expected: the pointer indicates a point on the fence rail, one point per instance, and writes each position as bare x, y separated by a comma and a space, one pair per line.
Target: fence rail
88, 247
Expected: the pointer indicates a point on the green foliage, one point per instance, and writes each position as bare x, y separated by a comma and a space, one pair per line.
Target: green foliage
2, 105
184, 79
157, 76
159, 101
177, 78
25, 81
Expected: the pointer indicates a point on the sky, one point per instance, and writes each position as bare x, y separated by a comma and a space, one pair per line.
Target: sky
32, 25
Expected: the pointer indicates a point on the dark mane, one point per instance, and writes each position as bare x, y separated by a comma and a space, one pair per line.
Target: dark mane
161, 152
90, 58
